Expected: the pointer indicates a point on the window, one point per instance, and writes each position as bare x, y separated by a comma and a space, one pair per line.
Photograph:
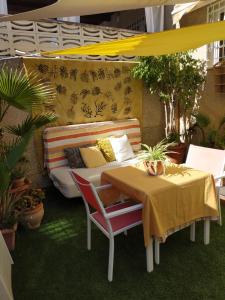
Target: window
216, 50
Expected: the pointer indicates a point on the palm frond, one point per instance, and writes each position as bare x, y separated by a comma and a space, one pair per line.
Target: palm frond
36, 122
22, 90
8, 162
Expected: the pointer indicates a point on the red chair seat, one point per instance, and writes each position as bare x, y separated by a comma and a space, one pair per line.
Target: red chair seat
121, 221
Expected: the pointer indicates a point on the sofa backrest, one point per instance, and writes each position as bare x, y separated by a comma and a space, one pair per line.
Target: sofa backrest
56, 139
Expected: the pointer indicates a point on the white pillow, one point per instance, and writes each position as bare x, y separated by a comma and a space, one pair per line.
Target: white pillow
121, 148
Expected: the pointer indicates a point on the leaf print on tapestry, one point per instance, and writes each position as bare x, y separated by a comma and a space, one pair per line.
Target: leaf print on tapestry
53, 71
74, 98
114, 108
73, 74
99, 108
84, 76
94, 75
86, 109
84, 93
63, 72
109, 75
101, 74
96, 91
128, 90
42, 68
60, 89
117, 72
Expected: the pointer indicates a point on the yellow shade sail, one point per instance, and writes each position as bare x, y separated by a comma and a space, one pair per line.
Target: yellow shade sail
166, 42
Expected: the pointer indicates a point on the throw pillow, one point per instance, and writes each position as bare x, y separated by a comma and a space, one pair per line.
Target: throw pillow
105, 146
122, 148
74, 158
92, 157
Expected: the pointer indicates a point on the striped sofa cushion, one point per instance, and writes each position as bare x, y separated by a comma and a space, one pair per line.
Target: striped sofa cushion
56, 139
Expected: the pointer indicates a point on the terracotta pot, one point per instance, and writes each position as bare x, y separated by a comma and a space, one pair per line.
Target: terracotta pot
9, 236
18, 182
154, 168
31, 218
180, 152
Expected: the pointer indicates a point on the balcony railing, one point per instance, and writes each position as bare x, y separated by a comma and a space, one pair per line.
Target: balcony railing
31, 37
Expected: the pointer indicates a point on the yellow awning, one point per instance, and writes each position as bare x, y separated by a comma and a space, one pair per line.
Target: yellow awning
166, 42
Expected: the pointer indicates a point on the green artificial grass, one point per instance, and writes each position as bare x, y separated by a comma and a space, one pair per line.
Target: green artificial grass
52, 262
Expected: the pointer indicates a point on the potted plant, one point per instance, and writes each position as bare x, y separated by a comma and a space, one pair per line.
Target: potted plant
19, 172
25, 92
31, 209
178, 80
8, 217
210, 136
154, 157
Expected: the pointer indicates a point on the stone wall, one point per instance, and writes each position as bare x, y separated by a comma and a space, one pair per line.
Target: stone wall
213, 103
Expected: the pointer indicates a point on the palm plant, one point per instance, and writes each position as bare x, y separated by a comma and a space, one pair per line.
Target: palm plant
25, 92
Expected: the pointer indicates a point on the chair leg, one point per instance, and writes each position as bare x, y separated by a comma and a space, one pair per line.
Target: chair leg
88, 233
149, 256
111, 258
219, 208
157, 251
192, 232
206, 232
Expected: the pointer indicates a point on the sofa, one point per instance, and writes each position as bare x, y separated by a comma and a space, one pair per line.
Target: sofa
56, 139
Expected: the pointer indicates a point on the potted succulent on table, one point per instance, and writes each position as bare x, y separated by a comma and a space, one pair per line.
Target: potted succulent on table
154, 158
178, 80
31, 209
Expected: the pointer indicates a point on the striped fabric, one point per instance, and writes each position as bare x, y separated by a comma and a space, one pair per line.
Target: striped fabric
58, 138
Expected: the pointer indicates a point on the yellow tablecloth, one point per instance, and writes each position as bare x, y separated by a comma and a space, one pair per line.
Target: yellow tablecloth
172, 200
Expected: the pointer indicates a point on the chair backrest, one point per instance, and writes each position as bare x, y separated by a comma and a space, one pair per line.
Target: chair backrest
87, 192
206, 159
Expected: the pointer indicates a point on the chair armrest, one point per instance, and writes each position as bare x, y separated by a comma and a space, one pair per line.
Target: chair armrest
220, 177
103, 187
124, 211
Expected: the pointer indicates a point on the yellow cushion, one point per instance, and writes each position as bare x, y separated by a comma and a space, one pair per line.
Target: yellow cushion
92, 157
106, 148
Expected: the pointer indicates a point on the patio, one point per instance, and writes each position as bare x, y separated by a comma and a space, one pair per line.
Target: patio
135, 124
53, 262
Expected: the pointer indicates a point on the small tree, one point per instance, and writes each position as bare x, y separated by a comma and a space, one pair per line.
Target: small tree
178, 80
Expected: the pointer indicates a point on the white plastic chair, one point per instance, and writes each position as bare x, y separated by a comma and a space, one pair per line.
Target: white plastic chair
5, 271
113, 220
211, 161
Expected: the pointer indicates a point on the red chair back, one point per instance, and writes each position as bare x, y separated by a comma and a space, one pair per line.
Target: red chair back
86, 191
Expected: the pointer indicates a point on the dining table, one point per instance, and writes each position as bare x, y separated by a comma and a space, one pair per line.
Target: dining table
171, 201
